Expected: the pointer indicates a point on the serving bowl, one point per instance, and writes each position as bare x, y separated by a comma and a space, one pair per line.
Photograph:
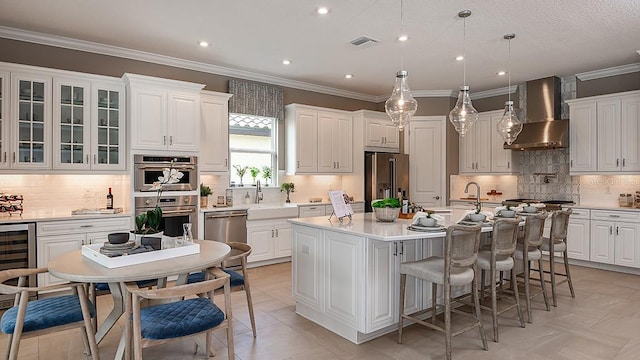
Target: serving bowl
530, 209
508, 213
386, 214
118, 238
427, 221
477, 217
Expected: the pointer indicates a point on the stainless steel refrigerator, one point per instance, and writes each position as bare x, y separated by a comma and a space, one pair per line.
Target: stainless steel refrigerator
385, 174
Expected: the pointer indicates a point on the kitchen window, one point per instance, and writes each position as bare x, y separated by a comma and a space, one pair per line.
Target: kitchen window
252, 143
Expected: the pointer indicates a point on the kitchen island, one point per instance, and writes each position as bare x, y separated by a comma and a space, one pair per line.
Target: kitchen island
345, 276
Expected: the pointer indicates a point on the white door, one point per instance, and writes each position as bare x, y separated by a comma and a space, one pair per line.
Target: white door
306, 141
183, 129
482, 147
326, 148
427, 160
282, 240
627, 250
343, 143
602, 241
148, 119
609, 135
306, 268
382, 284
630, 133
411, 251
578, 235
582, 137
260, 238
214, 140
50, 247
72, 123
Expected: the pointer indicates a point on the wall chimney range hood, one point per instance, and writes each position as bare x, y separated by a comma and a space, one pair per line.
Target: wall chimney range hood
544, 129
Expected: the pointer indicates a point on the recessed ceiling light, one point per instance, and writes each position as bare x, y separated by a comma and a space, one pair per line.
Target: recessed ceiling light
403, 37
459, 58
323, 10
203, 43
348, 76
286, 62
502, 73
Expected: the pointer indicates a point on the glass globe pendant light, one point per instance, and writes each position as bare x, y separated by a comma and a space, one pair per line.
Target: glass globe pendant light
463, 115
509, 126
401, 105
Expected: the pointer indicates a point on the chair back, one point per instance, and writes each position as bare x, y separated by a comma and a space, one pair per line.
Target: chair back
533, 229
559, 225
461, 245
504, 236
238, 251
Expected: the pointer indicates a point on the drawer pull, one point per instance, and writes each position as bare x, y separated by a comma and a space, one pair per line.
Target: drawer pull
86, 226
614, 216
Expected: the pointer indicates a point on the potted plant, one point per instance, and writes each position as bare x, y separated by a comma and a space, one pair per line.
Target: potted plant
288, 188
386, 210
266, 174
428, 220
254, 171
529, 208
508, 212
205, 191
241, 170
149, 223
476, 215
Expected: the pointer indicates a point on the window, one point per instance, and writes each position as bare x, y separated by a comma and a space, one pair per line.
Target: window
252, 144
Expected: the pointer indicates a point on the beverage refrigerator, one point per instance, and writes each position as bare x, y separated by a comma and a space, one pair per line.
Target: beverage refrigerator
385, 175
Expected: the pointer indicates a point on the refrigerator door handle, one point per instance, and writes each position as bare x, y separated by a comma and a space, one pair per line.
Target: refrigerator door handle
392, 174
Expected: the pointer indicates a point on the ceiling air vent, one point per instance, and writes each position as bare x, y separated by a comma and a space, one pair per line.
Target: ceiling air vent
363, 42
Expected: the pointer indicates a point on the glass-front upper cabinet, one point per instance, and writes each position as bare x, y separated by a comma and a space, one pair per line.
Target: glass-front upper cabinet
4, 120
30, 121
108, 132
71, 114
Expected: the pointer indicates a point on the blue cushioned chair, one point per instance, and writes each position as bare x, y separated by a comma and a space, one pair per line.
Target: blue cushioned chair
190, 317
239, 251
38, 317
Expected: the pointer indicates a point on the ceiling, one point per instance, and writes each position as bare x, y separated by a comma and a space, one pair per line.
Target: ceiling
552, 37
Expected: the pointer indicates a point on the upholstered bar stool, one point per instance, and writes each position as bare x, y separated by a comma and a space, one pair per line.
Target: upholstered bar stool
557, 243
498, 259
456, 268
531, 241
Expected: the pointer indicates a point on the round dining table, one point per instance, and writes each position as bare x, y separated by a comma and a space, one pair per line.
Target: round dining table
75, 267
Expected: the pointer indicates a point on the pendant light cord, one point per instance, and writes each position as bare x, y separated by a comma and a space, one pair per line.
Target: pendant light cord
509, 64
464, 51
401, 34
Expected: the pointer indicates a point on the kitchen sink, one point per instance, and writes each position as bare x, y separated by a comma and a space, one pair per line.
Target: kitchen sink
272, 211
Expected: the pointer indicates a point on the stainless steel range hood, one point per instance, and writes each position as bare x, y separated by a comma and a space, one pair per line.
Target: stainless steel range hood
543, 129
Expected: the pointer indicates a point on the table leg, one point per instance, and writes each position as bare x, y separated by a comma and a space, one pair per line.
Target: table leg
127, 334
114, 315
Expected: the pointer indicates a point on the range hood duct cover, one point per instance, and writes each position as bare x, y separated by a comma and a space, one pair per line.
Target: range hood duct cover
543, 129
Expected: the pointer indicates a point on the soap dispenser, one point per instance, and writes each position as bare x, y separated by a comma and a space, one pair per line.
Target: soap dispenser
247, 198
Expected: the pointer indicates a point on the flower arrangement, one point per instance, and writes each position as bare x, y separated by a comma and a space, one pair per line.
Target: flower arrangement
241, 170
266, 174
288, 188
149, 222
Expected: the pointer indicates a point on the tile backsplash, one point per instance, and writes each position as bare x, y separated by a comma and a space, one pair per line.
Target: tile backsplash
544, 175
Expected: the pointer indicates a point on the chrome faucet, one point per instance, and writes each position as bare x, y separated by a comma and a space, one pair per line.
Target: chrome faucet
259, 195
478, 204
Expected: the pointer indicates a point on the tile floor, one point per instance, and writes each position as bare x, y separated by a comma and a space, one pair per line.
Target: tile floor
603, 322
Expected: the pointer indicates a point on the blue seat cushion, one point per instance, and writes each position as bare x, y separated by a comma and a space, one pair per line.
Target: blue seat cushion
235, 278
181, 318
46, 313
141, 284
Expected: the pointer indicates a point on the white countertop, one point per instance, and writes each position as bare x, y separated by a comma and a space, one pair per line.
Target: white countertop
366, 225
53, 215
263, 206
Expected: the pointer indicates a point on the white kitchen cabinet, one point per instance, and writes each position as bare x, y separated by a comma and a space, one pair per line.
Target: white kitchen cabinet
579, 235
427, 150
307, 267
380, 133
5, 121
269, 239
335, 139
312, 210
615, 237
503, 161
319, 140
89, 124
214, 152
475, 147
56, 238
604, 132
164, 114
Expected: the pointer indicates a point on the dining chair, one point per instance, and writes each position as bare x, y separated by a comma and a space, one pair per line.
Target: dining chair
500, 259
458, 267
239, 251
557, 243
172, 321
528, 250
28, 318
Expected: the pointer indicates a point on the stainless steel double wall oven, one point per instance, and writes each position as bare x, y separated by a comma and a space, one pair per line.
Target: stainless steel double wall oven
179, 201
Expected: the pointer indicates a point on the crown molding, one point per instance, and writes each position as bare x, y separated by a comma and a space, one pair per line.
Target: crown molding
103, 49
494, 92
612, 71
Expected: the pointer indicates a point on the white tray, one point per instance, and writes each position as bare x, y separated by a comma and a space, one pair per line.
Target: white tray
93, 252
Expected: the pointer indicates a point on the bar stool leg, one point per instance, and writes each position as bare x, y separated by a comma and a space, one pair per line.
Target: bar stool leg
403, 283
515, 293
447, 318
434, 301
476, 303
543, 285
494, 303
566, 268
552, 271
527, 290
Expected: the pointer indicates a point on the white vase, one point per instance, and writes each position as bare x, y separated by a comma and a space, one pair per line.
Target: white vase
138, 237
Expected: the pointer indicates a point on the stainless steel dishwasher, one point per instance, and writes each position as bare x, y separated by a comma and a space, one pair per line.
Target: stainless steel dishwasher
226, 226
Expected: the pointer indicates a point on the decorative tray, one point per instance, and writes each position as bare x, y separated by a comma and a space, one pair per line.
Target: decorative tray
92, 252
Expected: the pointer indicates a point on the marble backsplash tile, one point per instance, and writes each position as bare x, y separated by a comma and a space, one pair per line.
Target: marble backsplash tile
545, 175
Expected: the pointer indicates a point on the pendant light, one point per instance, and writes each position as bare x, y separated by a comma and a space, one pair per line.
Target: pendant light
463, 115
509, 126
401, 105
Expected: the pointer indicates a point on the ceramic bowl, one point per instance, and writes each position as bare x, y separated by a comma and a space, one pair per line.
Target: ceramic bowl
425, 221
477, 217
508, 213
530, 209
118, 238
386, 214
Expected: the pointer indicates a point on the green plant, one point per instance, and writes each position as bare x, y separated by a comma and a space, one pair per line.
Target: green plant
240, 170
288, 188
266, 173
205, 190
477, 211
388, 202
254, 173
429, 213
149, 222
508, 207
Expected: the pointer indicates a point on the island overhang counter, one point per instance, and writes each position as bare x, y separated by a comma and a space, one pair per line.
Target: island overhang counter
345, 276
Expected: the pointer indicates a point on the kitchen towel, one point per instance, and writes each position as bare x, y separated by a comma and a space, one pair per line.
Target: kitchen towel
422, 214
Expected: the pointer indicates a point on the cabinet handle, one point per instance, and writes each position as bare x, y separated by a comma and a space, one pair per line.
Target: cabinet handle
171, 140
617, 162
298, 164
395, 248
610, 230
508, 164
87, 158
86, 226
5, 157
338, 163
277, 233
14, 157
624, 162
570, 163
614, 216
271, 232
225, 163
437, 197
164, 140
617, 231
95, 158
402, 248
